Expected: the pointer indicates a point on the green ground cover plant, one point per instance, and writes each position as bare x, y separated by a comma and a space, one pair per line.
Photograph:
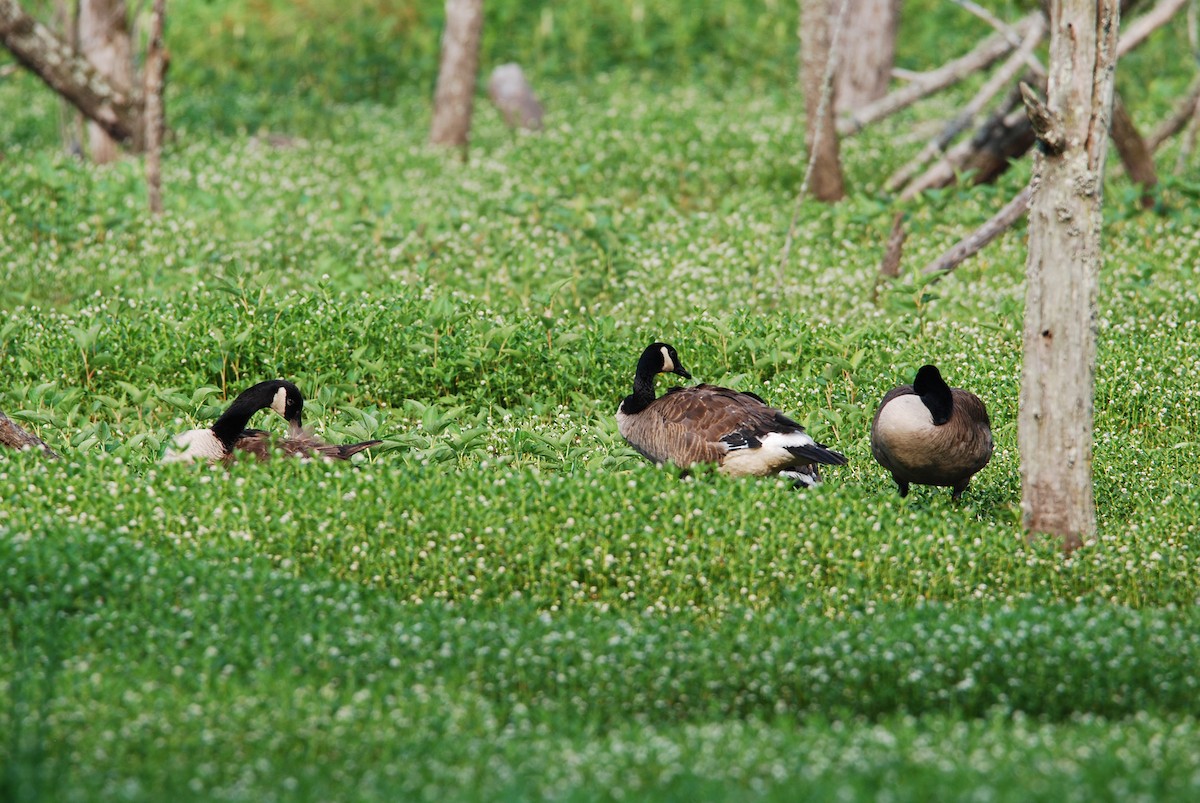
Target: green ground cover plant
504, 601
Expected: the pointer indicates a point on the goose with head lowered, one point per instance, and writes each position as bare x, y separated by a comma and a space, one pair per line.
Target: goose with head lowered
929, 433
739, 432
228, 435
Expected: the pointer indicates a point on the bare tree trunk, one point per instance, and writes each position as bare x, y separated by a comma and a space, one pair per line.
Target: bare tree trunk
116, 109
155, 70
14, 436
869, 52
104, 40
820, 123
1057, 385
455, 95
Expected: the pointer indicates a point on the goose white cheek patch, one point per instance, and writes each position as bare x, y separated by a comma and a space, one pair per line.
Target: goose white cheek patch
668, 363
279, 403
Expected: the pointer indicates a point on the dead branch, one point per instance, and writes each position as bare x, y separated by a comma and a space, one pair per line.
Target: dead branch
513, 95
1135, 156
70, 74
890, 266
978, 239
1178, 119
14, 436
966, 118
988, 52
985, 155
1136, 32
1189, 142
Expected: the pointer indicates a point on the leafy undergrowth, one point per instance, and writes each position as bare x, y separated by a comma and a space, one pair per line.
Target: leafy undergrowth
503, 601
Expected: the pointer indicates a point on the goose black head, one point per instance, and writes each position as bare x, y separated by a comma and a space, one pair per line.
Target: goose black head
934, 393
277, 394
660, 358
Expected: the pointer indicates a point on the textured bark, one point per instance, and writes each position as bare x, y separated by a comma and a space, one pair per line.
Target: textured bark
820, 123
988, 52
868, 52
454, 98
512, 94
104, 40
116, 110
1057, 386
1135, 156
15, 437
155, 75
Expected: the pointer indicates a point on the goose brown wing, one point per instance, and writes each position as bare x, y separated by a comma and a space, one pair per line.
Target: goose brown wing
971, 406
687, 425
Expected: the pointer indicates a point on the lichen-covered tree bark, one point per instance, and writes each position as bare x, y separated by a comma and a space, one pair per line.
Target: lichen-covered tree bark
454, 98
817, 19
117, 110
868, 52
104, 40
1055, 419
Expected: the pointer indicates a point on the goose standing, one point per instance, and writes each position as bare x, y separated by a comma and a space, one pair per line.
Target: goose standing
228, 434
931, 434
739, 432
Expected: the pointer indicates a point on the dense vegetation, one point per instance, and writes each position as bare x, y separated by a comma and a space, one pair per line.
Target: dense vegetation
504, 601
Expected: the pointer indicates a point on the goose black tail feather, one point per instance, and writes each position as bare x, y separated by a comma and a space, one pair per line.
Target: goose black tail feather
816, 453
349, 450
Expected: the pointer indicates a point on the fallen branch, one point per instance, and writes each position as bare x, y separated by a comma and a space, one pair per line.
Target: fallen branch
988, 52
1178, 119
70, 74
1004, 136
13, 436
978, 239
966, 118
1132, 149
1137, 31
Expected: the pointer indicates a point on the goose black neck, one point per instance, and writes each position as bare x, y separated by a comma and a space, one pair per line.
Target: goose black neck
229, 426
935, 394
643, 384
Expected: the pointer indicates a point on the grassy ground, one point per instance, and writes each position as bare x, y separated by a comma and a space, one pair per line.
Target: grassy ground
504, 601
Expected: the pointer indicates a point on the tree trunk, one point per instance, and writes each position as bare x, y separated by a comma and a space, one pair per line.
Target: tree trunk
104, 40
1057, 385
869, 52
155, 70
820, 124
117, 110
455, 95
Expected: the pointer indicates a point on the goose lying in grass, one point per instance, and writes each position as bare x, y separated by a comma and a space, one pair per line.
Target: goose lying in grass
228, 435
739, 432
931, 434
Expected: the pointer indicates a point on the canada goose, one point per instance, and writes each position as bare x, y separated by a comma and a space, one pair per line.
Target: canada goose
931, 434
739, 432
229, 434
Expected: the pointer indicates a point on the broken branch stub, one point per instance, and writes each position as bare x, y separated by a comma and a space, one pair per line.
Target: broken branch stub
1047, 125
513, 95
